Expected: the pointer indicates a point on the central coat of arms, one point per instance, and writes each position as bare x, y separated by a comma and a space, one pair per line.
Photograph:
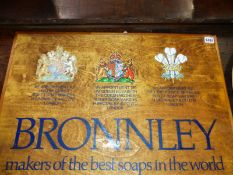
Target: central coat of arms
115, 70
56, 66
171, 64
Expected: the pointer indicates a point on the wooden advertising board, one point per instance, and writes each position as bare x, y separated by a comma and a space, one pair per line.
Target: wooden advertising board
115, 103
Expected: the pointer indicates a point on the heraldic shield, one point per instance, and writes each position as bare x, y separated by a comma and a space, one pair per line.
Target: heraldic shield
56, 66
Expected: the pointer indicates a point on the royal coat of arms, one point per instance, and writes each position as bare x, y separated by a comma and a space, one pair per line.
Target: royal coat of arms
115, 70
56, 66
171, 64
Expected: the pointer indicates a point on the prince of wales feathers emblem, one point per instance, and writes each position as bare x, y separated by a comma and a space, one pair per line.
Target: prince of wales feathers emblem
56, 66
171, 64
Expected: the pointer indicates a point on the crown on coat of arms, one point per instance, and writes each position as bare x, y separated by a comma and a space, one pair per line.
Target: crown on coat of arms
115, 55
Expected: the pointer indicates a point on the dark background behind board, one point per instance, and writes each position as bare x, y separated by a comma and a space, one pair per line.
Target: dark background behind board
163, 16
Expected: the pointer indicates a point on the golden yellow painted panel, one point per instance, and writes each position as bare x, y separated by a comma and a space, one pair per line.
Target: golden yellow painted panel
112, 103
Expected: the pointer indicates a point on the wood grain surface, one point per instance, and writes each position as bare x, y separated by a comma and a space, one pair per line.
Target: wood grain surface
225, 46
203, 76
